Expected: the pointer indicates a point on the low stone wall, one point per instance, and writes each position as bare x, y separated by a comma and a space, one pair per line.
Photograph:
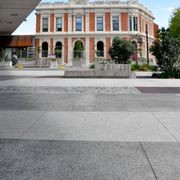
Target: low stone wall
101, 70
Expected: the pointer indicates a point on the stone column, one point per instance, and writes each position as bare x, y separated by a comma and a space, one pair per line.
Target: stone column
87, 51
69, 22
70, 49
87, 22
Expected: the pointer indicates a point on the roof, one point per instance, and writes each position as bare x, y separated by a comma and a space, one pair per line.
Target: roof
13, 13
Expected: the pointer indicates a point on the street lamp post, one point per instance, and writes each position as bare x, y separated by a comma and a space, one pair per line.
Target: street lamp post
147, 44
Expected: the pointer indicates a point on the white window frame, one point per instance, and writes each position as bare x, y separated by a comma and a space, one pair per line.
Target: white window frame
132, 23
114, 15
43, 17
99, 15
55, 27
82, 17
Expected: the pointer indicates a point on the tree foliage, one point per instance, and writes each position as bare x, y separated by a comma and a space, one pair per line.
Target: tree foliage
78, 49
166, 49
120, 51
175, 23
79, 46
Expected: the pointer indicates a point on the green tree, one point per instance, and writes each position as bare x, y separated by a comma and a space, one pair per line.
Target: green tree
166, 49
120, 51
175, 23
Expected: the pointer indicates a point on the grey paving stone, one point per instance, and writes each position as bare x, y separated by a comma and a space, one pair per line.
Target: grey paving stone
60, 90
137, 103
13, 124
99, 126
165, 159
101, 102
171, 121
62, 160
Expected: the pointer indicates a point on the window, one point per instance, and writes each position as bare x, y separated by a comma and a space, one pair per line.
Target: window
44, 49
45, 24
78, 23
100, 49
130, 23
99, 22
59, 24
115, 21
133, 23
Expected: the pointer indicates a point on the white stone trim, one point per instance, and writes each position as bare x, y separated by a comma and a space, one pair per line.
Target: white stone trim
99, 15
58, 16
70, 49
138, 23
111, 18
45, 16
87, 21
69, 23
87, 50
82, 17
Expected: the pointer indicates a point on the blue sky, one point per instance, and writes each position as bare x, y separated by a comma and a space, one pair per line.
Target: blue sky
162, 10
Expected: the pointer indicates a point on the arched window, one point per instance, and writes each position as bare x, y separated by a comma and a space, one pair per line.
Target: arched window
78, 49
100, 49
58, 50
44, 49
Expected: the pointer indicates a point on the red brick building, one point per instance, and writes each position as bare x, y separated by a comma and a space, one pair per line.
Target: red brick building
94, 25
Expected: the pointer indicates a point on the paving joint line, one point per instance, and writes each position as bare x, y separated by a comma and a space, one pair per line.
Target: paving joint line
21, 136
149, 161
171, 134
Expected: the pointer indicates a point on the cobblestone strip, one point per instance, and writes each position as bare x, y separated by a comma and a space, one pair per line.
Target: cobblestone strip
78, 90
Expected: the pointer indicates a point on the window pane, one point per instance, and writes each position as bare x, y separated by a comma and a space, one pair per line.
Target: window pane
59, 24
135, 24
115, 23
45, 25
99, 23
78, 23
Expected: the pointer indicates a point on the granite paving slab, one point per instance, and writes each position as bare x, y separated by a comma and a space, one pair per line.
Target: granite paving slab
67, 160
76, 90
165, 159
99, 126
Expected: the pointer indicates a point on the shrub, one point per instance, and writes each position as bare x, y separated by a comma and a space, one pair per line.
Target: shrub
143, 67
135, 67
170, 74
92, 66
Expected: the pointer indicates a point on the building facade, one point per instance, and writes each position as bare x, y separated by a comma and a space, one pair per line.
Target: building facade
92, 27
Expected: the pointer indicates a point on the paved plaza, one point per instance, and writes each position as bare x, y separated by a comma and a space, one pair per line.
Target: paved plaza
88, 129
